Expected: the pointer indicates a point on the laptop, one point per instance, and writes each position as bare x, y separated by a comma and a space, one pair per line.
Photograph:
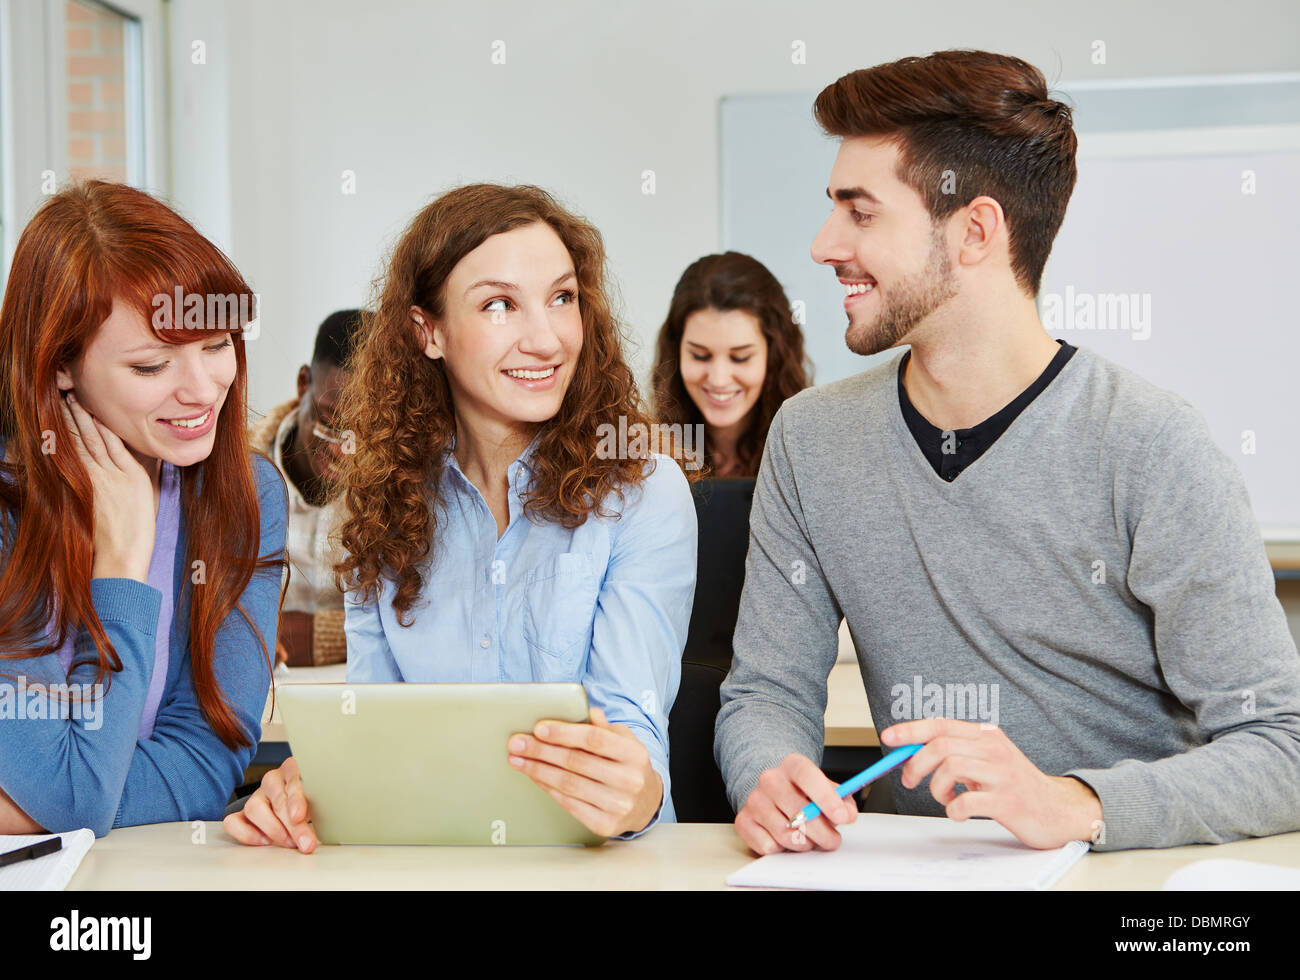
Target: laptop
426, 763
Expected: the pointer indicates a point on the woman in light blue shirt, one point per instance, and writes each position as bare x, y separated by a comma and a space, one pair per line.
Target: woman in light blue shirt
500, 528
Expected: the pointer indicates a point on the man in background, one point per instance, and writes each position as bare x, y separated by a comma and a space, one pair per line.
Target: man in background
300, 438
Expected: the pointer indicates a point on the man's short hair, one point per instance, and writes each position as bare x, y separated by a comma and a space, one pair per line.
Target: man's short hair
336, 338
969, 123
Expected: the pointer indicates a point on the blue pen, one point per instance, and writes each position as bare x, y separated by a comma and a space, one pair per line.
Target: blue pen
896, 758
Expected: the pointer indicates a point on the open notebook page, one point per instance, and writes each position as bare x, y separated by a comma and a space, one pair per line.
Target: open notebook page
887, 851
50, 873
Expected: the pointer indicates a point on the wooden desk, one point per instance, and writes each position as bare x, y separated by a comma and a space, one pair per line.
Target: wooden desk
672, 856
848, 718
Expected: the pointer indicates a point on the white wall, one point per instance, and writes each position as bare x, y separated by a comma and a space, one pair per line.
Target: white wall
201, 151
592, 93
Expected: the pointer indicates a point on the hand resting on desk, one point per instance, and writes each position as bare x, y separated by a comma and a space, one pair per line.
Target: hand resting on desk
276, 813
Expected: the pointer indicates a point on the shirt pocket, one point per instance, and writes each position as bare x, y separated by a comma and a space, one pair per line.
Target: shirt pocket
559, 609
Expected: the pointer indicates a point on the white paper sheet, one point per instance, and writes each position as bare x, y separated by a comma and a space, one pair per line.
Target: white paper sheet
887, 851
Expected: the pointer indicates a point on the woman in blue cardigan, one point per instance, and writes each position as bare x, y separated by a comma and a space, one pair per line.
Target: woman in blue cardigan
141, 542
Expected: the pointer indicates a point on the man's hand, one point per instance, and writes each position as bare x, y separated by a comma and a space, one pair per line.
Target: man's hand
1042, 811
782, 792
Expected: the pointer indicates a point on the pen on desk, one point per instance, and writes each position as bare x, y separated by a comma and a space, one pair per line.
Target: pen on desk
874, 771
30, 851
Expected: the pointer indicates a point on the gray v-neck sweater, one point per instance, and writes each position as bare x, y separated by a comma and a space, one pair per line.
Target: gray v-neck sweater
1094, 583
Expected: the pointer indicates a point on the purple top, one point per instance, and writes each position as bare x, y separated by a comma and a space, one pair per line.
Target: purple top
162, 572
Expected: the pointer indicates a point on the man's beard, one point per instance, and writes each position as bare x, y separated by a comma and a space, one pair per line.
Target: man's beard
911, 301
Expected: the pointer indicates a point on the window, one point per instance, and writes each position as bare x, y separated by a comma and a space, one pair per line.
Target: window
99, 41
82, 94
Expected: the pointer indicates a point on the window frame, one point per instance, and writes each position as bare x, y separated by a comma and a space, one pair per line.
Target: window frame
34, 128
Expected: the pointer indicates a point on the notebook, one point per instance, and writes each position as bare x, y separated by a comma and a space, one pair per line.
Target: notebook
885, 851
50, 873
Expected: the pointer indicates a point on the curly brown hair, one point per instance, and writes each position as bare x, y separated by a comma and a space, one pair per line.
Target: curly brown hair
397, 403
731, 281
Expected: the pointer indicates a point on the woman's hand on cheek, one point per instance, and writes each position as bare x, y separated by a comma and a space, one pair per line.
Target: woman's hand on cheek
598, 772
123, 492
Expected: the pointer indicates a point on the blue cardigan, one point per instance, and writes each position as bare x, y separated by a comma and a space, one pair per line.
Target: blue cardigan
66, 775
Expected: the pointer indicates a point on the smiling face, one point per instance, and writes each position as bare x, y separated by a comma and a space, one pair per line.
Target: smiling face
723, 363
893, 261
139, 387
511, 330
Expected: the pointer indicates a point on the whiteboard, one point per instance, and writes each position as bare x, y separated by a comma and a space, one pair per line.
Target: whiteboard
1186, 216
1211, 268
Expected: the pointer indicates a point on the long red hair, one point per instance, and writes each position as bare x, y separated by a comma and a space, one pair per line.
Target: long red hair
88, 245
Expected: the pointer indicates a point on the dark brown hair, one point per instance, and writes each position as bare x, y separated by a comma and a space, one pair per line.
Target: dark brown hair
731, 281
984, 118
398, 403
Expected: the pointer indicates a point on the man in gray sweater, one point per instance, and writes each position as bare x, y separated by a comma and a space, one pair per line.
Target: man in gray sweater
1051, 573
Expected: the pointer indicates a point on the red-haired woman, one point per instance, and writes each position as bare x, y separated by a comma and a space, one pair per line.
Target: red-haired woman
729, 353
136, 618
489, 538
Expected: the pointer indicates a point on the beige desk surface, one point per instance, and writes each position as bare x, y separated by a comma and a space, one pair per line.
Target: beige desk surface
1283, 555
672, 856
848, 718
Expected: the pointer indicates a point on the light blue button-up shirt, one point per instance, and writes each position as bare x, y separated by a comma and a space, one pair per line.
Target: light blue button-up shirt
606, 604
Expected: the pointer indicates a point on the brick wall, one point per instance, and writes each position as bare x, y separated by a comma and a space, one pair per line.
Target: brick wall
96, 92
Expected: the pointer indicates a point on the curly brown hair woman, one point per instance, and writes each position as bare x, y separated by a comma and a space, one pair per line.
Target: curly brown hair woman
489, 536
399, 404
729, 353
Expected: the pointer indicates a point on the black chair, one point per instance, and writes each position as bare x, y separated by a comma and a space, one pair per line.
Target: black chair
240, 797
699, 795
722, 512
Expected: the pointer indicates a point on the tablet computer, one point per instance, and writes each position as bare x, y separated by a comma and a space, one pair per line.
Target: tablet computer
426, 763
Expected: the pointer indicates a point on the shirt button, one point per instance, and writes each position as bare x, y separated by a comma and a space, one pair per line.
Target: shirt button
485, 642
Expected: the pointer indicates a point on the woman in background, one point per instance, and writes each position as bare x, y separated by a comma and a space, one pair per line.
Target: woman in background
136, 618
728, 355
